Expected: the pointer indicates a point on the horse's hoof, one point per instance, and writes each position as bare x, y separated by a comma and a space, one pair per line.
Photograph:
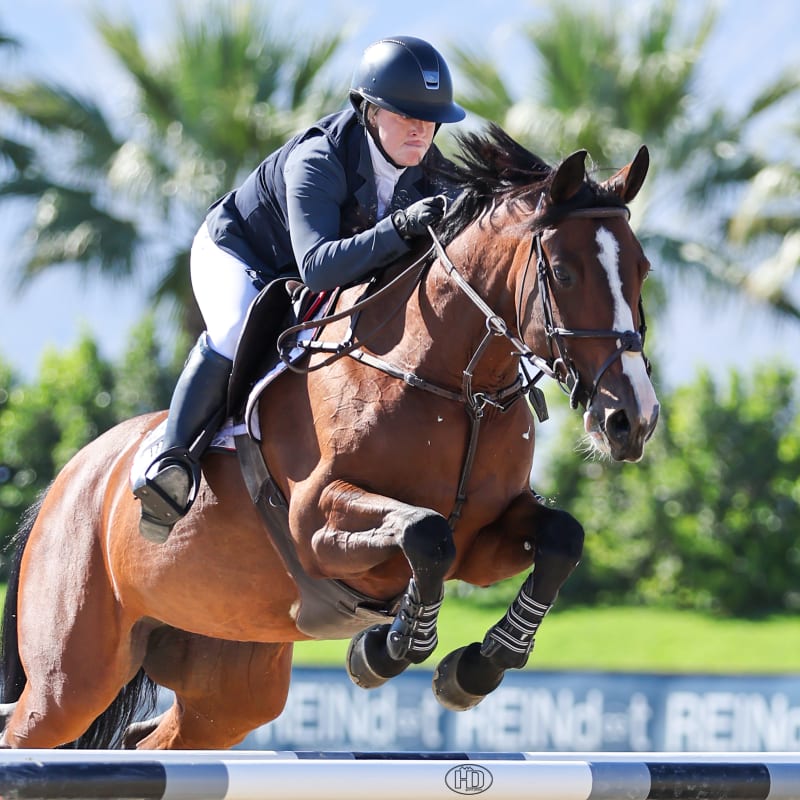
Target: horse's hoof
447, 688
368, 663
137, 731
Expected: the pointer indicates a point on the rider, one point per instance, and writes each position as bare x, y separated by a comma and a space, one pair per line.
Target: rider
340, 199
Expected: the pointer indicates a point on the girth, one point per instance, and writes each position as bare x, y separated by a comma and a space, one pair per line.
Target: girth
329, 609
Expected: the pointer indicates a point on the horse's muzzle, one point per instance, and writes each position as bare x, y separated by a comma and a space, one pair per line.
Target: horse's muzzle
620, 431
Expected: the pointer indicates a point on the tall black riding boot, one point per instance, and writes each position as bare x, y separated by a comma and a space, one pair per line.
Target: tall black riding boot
170, 484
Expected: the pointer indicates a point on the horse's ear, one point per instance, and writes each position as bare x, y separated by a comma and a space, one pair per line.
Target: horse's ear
627, 182
569, 177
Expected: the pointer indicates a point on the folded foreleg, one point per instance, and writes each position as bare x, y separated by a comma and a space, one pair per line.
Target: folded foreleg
364, 530
464, 677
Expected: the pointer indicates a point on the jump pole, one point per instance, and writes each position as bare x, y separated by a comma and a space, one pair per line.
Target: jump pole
264, 775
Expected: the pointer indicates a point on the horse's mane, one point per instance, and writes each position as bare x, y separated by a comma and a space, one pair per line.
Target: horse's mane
492, 168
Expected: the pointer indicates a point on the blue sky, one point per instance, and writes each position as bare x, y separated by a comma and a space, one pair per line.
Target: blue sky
752, 42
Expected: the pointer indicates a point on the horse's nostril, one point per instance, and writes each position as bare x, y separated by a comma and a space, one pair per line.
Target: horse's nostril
618, 425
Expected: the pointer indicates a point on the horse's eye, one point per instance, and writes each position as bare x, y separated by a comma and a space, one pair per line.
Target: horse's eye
562, 275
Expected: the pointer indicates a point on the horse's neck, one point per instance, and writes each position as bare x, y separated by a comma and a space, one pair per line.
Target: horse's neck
455, 328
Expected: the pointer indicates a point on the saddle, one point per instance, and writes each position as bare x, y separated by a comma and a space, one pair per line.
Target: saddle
279, 305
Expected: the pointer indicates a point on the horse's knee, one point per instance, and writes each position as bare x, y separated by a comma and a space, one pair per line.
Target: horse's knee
427, 542
428, 537
562, 537
559, 546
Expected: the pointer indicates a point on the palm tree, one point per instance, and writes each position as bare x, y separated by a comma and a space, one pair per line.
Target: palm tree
14, 155
761, 225
606, 86
124, 200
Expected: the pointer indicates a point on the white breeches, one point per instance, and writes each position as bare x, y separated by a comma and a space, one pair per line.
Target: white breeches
223, 290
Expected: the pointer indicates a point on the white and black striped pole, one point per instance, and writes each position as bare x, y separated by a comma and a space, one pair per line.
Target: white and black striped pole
258, 775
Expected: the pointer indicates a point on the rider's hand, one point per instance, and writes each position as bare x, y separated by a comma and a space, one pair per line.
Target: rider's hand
414, 220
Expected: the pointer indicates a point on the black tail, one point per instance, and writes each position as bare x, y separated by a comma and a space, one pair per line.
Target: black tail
137, 699
13, 674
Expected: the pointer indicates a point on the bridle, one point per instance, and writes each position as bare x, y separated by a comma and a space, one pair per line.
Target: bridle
560, 366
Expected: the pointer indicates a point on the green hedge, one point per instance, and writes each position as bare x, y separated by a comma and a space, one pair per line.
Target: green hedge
710, 518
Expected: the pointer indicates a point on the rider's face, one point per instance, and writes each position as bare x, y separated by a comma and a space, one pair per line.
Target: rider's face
406, 140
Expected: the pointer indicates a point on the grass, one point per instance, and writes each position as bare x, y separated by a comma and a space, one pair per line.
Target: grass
619, 639
615, 640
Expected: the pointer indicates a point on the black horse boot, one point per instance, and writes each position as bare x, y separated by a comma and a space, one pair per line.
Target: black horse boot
198, 405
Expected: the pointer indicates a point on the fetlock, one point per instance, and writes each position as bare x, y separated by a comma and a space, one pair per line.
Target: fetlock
509, 642
496, 649
412, 636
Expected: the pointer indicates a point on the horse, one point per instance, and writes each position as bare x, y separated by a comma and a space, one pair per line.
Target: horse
397, 465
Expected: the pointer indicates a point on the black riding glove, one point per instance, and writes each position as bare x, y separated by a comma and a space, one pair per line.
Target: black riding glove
414, 220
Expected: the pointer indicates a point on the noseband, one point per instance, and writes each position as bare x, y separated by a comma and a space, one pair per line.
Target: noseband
560, 366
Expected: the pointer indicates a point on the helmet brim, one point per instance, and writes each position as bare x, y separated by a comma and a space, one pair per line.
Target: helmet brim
452, 112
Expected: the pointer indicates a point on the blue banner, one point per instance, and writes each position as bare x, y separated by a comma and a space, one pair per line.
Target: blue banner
541, 711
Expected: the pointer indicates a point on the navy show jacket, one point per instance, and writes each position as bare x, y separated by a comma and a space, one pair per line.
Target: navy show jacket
317, 219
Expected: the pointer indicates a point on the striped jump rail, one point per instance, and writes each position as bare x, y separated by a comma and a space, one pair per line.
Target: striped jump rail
263, 775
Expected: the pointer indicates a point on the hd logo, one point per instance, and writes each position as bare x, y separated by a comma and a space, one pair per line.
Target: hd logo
468, 779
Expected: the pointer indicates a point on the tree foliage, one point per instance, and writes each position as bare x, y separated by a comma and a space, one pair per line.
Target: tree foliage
76, 396
720, 206
124, 197
709, 519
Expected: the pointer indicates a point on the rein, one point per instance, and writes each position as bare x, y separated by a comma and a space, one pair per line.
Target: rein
559, 367
350, 343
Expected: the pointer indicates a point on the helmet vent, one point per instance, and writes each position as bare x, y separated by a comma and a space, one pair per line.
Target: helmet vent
431, 78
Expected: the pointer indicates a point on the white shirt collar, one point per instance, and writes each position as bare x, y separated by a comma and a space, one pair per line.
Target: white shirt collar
386, 176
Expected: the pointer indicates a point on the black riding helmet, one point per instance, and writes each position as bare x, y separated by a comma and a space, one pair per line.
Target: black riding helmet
408, 76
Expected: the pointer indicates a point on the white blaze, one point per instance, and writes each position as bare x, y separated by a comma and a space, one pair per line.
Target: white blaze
632, 363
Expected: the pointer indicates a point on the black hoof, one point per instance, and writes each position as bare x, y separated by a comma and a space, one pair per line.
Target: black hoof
368, 662
448, 679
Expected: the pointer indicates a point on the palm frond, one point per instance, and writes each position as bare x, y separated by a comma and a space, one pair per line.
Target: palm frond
68, 227
57, 111
17, 154
482, 89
